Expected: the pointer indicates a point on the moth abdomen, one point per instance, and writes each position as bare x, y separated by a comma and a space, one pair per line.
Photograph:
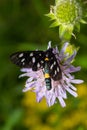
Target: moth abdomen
48, 83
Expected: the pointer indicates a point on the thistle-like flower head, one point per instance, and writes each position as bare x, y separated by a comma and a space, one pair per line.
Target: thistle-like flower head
36, 80
66, 14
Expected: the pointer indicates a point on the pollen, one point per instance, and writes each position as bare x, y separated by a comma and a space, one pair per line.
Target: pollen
47, 75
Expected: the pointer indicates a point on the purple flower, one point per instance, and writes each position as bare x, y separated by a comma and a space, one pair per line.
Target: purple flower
36, 80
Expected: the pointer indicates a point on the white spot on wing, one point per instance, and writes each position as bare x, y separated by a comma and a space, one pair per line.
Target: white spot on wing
54, 63
23, 60
38, 65
54, 75
40, 54
55, 72
46, 55
57, 69
21, 55
31, 54
23, 63
42, 61
51, 66
33, 59
51, 58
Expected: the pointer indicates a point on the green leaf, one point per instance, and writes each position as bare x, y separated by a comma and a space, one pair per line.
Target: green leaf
51, 16
54, 24
77, 27
83, 21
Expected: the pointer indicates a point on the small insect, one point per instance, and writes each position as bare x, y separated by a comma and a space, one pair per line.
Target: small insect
36, 60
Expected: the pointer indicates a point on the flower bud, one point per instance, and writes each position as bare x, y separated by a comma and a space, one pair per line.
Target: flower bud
66, 14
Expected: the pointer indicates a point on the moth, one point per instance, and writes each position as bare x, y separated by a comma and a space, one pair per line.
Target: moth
45, 60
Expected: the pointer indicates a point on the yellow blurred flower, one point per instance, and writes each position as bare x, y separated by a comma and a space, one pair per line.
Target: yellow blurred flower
82, 90
39, 116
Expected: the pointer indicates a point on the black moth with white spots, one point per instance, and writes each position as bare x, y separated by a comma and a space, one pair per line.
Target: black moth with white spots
36, 61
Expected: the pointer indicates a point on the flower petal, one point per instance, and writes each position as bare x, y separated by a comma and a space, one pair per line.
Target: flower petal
71, 92
71, 58
63, 48
77, 81
61, 101
39, 96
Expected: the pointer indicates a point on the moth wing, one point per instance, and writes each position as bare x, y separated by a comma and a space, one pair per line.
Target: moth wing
55, 70
28, 59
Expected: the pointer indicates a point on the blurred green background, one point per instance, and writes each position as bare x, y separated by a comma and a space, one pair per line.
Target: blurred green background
23, 26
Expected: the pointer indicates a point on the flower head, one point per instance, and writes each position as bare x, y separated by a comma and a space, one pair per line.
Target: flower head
36, 79
66, 14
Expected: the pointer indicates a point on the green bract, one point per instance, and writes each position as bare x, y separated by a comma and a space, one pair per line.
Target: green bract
66, 14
